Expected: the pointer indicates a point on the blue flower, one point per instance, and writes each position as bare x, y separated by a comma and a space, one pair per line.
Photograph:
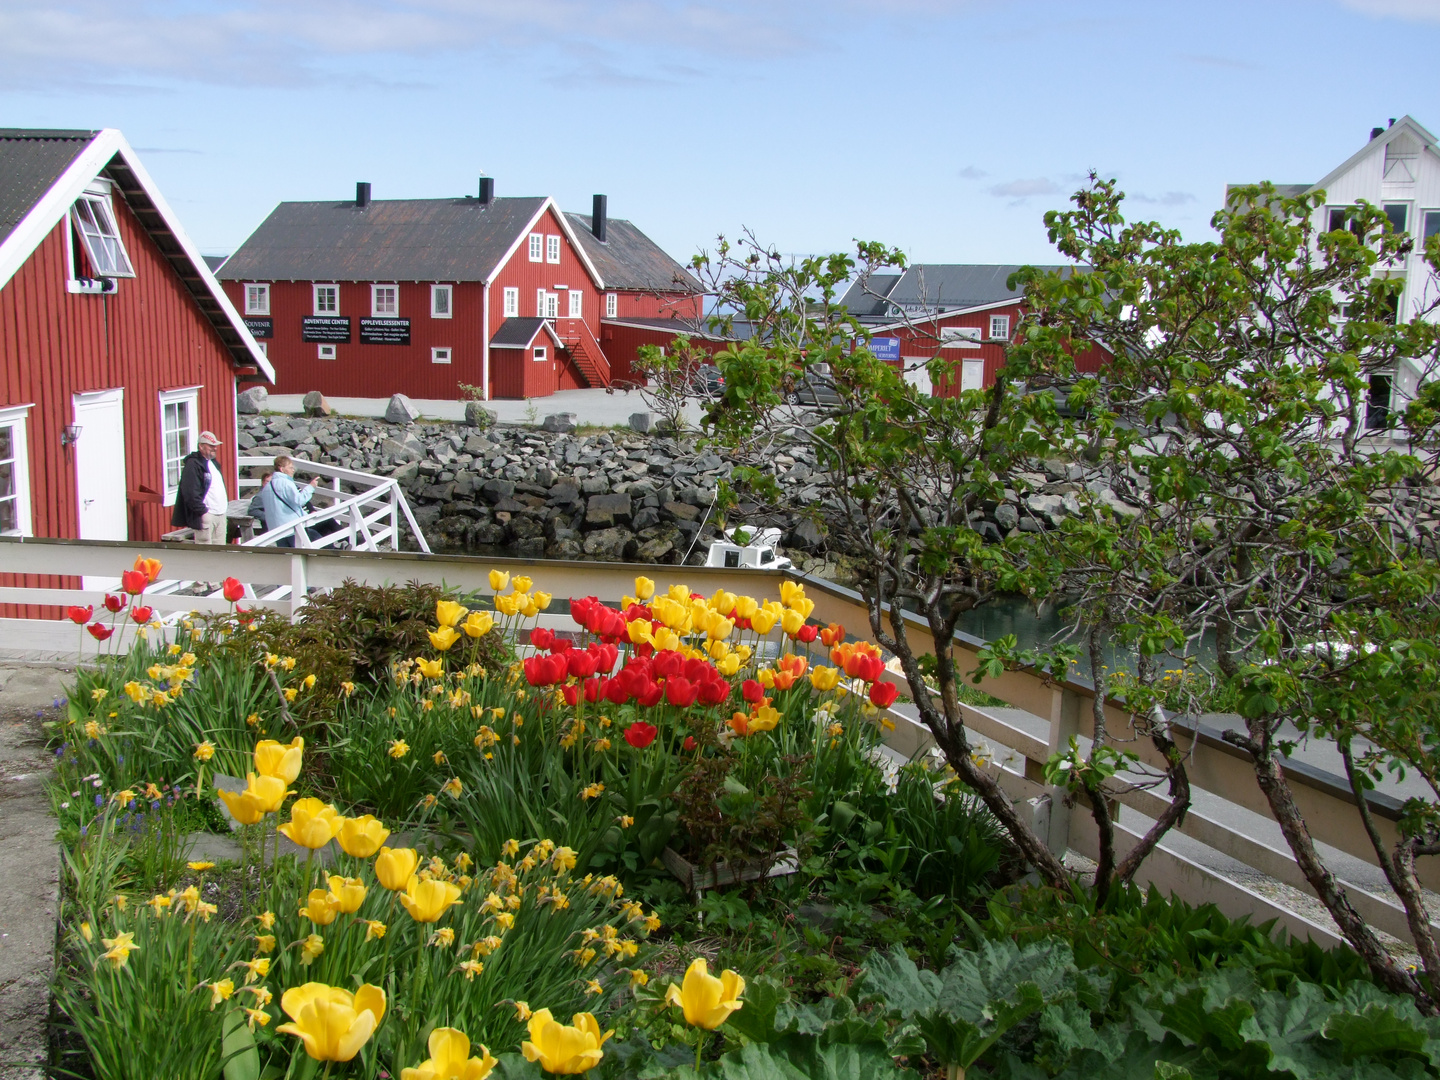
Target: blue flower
99, 799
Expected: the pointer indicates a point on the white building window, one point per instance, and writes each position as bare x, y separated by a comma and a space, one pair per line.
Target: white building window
327, 299
537, 243
577, 303
441, 301
384, 301
540, 352
326, 352
612, 305
552, 305
440, 356
257, 299
552, 249
14, 472
512, 303
539, 303
179, 433
1000, 327
96, 226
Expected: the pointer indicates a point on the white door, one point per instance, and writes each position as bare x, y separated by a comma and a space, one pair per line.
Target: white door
100, 465
972, 374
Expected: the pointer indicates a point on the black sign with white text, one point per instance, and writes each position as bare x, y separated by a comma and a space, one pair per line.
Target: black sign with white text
327, 329
260, 328
384, 331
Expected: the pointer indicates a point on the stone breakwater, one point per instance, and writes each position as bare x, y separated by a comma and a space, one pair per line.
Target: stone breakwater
610, 496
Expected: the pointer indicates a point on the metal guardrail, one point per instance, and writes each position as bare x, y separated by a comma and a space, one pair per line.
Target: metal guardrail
289, 575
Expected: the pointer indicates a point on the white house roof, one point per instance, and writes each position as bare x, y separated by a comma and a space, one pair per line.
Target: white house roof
1406, 125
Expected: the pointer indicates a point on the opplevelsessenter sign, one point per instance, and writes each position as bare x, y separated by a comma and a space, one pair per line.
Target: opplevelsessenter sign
384, 331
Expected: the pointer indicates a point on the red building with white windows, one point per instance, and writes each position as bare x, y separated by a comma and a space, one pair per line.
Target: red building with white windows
117, 344
369, 298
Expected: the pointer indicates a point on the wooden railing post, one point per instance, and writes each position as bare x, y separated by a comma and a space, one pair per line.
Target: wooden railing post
299, 584
1064, 725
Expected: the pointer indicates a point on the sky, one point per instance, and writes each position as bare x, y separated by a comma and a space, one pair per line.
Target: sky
943, 127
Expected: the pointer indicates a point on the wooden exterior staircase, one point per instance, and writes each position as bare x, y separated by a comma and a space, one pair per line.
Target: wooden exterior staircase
579, 341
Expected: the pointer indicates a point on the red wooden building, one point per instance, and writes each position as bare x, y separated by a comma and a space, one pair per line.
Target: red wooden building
117, 344
369, 298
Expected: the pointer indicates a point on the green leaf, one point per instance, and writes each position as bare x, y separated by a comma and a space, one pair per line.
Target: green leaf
1376, 1029
756, 1021
242, 1059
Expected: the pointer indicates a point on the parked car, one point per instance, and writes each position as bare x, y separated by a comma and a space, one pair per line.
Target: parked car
816, 389
707, 382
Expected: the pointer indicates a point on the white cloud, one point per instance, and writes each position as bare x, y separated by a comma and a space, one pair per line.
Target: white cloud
1408, 10
1023, 189
1168, 198
970, 172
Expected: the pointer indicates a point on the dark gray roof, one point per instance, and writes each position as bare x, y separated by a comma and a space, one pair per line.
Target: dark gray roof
389, 240
30, 163
517, 333
860, 302
628, 259
689, 327
926, 287
214, 262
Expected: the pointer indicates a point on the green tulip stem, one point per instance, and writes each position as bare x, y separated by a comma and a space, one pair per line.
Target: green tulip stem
699, 1048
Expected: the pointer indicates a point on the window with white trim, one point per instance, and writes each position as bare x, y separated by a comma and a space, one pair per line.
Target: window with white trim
552, 249
327, 299
1430, 226
14, 472
257, 299
1000, 327
552, 305
384, 301
179, 433
539, 303
442, 302
95, 223
326, 352
440, 356
577, 303
537, 246
612, 305
512, 303
540, 352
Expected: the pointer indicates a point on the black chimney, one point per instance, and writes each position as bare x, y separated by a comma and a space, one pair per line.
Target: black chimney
597, 218
487, 190
362, 195
1375, 133
1392, 122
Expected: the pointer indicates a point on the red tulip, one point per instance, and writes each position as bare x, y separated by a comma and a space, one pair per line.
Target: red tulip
689, 743
807, 633
80, 615
883, 694
649, 695
593, 689
681, 692
713, 691
752, 691
560, 644
142, 615
98, 632
641, 734
116, 603
615, 692
572, 694
668, 663
580, 663
580, 610
134, 581
232, 590
542, 638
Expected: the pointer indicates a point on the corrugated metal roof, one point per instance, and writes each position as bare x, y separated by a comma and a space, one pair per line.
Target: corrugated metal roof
389, 240
628, 259
859, 301
30, 163
928, 287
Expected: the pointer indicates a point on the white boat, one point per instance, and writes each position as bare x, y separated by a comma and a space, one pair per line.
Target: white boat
745, 548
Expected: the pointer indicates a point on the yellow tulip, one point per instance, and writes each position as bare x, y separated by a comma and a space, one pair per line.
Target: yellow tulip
431, 669
638, 631
242, 806
542, 599
791, 621
719, 628
450, 1059
679, 592
790, 591
395, 866
350, 892
361, 836
277, 759
672, 613
522, 583
762, 622
321, 907
706, 1001
824, 678
728, 665
448, 612
528, 607
564, 1049
644, 588
427, 900
507, 605
723, 602
664, 639
443, 638
804, 606
478, 624
745, 607
312, 824
262, 795
332, 1023
764, 719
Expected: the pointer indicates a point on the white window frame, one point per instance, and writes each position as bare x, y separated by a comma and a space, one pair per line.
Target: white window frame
448, 292
315, 296
612, 305
1423, 214
188, 437
16, 418
100, 236
257, 298
577, 304
539, 303
1003, 322
327, 352
552, 249
541, 353
552, 305
510, 303
537, 247
375, 310
440, 355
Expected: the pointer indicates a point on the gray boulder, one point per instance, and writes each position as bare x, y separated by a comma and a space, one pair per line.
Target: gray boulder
642, 421
401, 410
251, 402
314, 404
476, 415
558, 423
1006, 516
607, 509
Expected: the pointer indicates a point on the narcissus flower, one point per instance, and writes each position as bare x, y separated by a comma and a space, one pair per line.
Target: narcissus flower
312, 824
395, 866
119, 949
311, 949
279, 759
444, 637
426, 901
398, 749
564, 1049
450, 1057
204, 751
332, 1023
706, 1001
361, 836
374, 929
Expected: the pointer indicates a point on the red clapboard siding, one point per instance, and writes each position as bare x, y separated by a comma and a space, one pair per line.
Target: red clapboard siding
643, 305
622, 345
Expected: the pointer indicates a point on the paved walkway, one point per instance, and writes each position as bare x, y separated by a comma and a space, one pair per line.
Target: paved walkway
593, 408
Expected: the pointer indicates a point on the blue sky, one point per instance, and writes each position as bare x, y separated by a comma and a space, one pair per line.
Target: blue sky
945, 127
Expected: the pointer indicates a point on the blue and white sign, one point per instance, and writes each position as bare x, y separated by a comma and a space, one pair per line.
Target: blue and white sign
885, 348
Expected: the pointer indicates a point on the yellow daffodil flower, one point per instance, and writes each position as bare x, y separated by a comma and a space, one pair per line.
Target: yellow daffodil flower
221, 991
119, 949
398, 749
374, 929
706, 1001
265, 943
564, 1049
332, 1023
310, 949
204, 751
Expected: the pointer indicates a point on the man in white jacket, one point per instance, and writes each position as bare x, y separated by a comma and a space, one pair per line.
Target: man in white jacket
285, 501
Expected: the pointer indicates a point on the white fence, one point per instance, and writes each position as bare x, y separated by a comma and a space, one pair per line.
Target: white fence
1217, 770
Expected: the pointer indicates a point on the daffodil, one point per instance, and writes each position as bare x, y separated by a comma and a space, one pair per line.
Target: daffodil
332, 1023
119, 948
311, 949
426, 901
395, 866
448, 612
361, 837
374, 929
221, 991
278, 759
564, 1049
204, 751
398, 749
706, 1001
312, 824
